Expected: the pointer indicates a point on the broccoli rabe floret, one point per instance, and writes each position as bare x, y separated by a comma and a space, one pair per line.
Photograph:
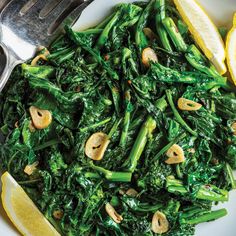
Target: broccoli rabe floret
155, 177
182, 230
137, 225
56, 163
141, 226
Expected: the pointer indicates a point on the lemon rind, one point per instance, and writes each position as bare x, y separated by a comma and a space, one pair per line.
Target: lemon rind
217, 59
9, 186
231, 48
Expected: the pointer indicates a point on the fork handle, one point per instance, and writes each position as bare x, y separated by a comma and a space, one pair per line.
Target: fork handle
11, 61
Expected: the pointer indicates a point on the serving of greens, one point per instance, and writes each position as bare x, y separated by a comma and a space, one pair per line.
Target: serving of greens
122, 129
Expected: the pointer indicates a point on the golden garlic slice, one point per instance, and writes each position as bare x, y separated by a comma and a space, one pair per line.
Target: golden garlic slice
160, 224
149, 33
175, 155
233, 126
188, 105
113, 214
148, 55
131, 192
37, 58
29, 169
42, 56
58, 214
41, 118
96, 146
16, 125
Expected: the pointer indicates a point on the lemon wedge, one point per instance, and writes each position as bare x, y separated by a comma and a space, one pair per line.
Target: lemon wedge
22, 211
231, 51
204, 32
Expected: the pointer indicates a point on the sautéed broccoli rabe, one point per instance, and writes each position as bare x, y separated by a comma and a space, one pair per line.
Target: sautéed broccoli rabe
122, 129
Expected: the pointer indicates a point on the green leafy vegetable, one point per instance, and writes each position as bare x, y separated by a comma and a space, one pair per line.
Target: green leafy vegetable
94, 81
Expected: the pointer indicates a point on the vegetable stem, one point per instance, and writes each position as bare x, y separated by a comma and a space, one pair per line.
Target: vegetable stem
96, 125
140, 38
229, 172
32, 181
137, 206
105, 33
174, 34
126, 122
47, 144
92, 52
197, 60
205, 192
4, 129
113, 176
146, 131
205, 217
160, 16
177, 115
168, 146
114, 127
115, 96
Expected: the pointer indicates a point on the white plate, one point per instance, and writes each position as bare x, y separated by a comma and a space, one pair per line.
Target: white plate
221, 12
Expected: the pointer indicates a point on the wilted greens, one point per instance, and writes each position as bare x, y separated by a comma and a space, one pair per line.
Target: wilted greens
159, 156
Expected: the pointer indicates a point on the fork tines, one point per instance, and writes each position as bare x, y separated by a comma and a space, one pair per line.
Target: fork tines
3, 3
52, 11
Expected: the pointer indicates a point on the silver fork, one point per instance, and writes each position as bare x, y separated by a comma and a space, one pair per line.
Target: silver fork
27, 24
3, 3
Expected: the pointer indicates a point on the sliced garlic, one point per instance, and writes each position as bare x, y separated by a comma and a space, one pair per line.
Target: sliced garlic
191, 150
29, 169
58, 214
131, 192
37, 58
160, 224
149, 33
41, 118
188, 105
96, 146
16, 124
233, 126
42, 56
148, 55
175, 155
113, 214
122, 191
